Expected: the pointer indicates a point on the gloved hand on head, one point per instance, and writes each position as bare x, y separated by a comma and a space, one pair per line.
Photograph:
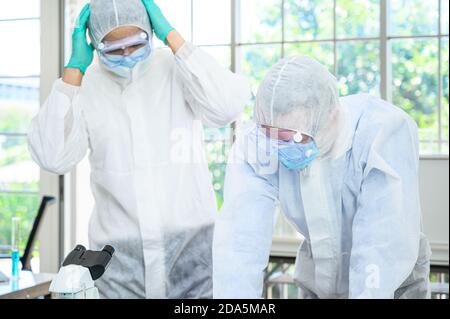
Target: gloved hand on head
159, 23
82, 52
299, 93
101, 17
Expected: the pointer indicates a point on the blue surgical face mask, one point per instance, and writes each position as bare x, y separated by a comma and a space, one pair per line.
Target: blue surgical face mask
122, 65
297, 156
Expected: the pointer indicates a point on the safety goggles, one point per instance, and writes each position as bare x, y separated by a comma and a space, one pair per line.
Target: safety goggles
285, 135
125, 46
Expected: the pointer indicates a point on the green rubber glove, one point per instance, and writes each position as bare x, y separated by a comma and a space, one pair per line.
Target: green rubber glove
159, 23
82, 51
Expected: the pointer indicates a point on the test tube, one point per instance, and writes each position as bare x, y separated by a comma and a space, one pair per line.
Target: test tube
15, 240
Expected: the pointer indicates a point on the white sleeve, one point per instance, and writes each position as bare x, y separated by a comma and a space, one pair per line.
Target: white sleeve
387, 225
243, 234
214, 93
57, 137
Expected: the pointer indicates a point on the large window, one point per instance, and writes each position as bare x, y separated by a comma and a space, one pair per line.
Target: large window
19, 102
394, 49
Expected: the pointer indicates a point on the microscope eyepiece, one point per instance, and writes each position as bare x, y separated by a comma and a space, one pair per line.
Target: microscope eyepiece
80, 248
95, 261
109, 249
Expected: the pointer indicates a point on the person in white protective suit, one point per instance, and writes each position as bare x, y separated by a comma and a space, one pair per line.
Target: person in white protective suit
140, 112
344, 171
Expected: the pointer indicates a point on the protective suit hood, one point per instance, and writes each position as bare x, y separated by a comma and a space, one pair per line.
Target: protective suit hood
107, 15
299, 93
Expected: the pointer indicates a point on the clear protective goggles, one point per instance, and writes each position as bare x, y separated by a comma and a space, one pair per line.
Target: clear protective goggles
125, 46
285, 135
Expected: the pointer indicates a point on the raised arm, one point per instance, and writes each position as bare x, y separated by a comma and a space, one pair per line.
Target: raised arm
215, 94
82, 52
58, 138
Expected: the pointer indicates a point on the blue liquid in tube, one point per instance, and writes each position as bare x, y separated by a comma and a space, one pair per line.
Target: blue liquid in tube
15, 258
15, 239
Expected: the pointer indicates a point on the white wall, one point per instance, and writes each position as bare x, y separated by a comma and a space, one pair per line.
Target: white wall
434, 194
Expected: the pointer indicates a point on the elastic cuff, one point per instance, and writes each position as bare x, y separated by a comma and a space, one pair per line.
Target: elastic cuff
67, 89
185, 51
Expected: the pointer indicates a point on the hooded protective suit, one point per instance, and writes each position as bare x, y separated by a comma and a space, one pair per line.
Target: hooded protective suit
154, 201
357, 206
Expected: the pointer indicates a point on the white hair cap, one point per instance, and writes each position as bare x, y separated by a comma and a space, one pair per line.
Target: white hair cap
107, 15
299, 93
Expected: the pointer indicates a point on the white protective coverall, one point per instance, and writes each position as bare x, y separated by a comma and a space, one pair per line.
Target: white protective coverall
154, 201
358, 210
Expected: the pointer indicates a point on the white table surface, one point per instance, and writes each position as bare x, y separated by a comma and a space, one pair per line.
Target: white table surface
29, 285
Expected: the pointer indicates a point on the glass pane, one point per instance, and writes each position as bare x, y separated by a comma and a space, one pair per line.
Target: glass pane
178, 13
260, 21
17, 171
444, 148
23, 39
444, 16
322, 52
217, 149
24, 206
414, 72
444, 101
414, 17
221, 53
309, 19
426, 146
359, 18
19, 9
358, 67
256, 61
19, 102
212, 22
